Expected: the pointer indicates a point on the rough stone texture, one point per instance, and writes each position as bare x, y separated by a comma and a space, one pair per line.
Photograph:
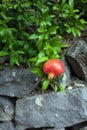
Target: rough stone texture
77, 58
66, 80
17, 82
76, 83
6, 109
20, 127
7, 126
85, 128
53, 110
52, 129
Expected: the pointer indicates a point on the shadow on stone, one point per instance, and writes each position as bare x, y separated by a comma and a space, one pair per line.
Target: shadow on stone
80, 126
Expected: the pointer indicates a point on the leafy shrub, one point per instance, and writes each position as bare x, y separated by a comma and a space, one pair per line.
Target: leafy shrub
82, 6
31, 31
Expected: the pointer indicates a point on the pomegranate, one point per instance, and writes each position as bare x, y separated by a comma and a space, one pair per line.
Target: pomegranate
53, 68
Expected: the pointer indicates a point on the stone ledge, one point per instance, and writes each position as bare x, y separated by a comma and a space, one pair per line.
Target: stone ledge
53, 109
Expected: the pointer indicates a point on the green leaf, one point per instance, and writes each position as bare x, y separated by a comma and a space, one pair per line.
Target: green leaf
69, 30
39, 44
45, 84
19, 52
63, 2
3, 53
41, 60
41, 54
58, 45
56, 39
55, 88
62, 89
37, 71
34, 59
14, 60
78, 32
27, 4
54, 56
74, 31
33, 36
71, 4
52, 30
42, 36
42, 30
83, 21
43, 23
55, 7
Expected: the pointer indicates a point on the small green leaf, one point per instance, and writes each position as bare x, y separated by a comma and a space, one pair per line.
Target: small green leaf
34, 59
55, 88
42, 30
41, 54
45, 84
74, 31
3, 53
83, 21
62, 89
56, 39
63, 2
33, 36
41, 60
37, 71
71, 3
19, 52
60, 77
41, 36
69, 30
54, 56
14, 60
39, 44
78, 32
52, 30
55, 7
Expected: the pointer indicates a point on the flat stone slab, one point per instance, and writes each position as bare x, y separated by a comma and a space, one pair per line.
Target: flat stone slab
7, 126
54, 109
6, 109
52, 129
17, 82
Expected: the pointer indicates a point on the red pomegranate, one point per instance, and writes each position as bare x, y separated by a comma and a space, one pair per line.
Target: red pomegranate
53, 68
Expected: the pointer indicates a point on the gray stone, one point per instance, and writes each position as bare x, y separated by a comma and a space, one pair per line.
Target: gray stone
7, 126
53, 129
77, 58
76, 83
85, 128
20, 127
54, 109
17, 82
6, 109
66, 80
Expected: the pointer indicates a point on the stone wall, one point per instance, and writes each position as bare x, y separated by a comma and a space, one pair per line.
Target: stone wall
23, 106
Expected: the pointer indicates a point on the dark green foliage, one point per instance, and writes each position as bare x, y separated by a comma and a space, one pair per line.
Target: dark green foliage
31, 31
82, 6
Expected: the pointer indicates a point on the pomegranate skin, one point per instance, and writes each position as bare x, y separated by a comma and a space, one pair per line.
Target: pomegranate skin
53, 68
